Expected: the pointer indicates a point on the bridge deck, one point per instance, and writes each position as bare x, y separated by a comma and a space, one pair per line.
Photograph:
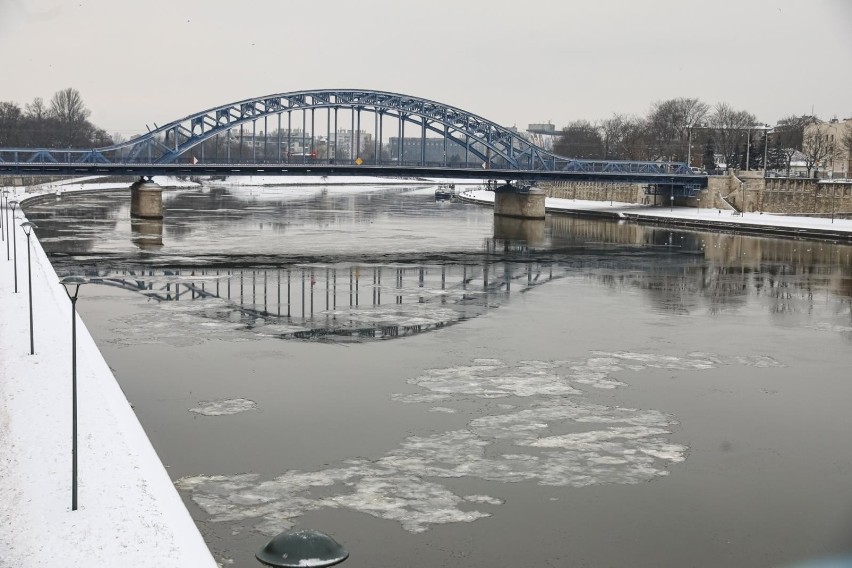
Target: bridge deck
78, 169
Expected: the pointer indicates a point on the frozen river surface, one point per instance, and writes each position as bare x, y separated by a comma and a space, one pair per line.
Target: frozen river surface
433, 389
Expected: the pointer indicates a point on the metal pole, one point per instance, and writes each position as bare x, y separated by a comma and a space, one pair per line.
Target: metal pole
6, 213
748, 146
765, 150
15, 245
241, 143
30, 287
74, 401
27, 227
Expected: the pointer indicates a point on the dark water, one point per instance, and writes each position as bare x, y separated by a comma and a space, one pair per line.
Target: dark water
435, 389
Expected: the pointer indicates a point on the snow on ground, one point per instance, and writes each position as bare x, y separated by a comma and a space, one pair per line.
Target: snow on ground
704, 215
90, 183
129, 512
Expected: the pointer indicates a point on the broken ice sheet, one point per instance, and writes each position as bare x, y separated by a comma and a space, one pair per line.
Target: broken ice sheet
551, 435
611, 445
224, 407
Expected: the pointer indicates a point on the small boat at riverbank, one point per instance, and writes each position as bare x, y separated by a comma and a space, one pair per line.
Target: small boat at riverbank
445, 191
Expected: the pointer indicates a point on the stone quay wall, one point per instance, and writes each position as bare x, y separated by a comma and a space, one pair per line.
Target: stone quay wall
635, 193
738, 191
805, 196
596, 191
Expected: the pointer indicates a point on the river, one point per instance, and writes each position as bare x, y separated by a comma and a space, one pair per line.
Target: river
433, 388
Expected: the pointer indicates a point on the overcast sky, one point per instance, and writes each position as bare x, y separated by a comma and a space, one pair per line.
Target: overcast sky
146, 61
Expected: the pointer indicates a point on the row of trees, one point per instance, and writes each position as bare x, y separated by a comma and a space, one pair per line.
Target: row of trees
61, 123
688, 128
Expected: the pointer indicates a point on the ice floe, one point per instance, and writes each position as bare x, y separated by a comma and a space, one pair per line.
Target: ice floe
552, 435
224, 407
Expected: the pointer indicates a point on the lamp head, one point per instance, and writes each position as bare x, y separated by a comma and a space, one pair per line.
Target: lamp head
13, 203
28, 227
302, 548
75, 281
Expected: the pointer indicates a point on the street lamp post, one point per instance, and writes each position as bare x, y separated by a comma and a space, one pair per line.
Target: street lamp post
748, 146
28, 227
766, 132
75, 281
6, 227
14, 204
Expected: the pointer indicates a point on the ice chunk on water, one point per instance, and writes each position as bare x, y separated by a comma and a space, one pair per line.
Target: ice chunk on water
224, 407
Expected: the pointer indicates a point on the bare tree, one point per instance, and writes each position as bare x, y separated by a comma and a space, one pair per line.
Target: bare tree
612, 131
818, 146
788, 135
37, 110
10, 123
580, 139
68, 108
731, 130
670, 122
846, 146
635, 142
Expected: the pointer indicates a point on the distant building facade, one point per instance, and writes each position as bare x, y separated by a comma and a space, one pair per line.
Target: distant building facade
839, 165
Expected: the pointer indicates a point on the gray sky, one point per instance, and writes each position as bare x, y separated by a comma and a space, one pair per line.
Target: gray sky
145, 61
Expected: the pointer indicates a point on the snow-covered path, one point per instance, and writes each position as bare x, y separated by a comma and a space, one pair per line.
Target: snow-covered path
690, 216
130, 513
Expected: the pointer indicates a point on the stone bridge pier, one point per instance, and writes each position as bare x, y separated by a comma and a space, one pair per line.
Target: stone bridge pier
518, 202
146, 200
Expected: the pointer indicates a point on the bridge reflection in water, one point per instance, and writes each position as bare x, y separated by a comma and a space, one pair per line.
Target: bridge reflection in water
336, 302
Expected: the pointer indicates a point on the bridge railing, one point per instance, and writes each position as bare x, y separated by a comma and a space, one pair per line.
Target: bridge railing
59, 156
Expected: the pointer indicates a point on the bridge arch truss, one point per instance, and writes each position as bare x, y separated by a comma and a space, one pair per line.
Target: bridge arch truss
337, 126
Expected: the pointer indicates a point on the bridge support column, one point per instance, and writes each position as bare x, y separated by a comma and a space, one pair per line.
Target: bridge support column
511, 201
146, 200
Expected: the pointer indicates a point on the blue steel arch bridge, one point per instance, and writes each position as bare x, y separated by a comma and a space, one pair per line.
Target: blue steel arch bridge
340, 132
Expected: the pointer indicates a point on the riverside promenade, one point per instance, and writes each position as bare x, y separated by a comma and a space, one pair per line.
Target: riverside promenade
129, 512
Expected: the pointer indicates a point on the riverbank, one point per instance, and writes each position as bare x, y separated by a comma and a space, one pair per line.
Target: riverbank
692, 218
129, 512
